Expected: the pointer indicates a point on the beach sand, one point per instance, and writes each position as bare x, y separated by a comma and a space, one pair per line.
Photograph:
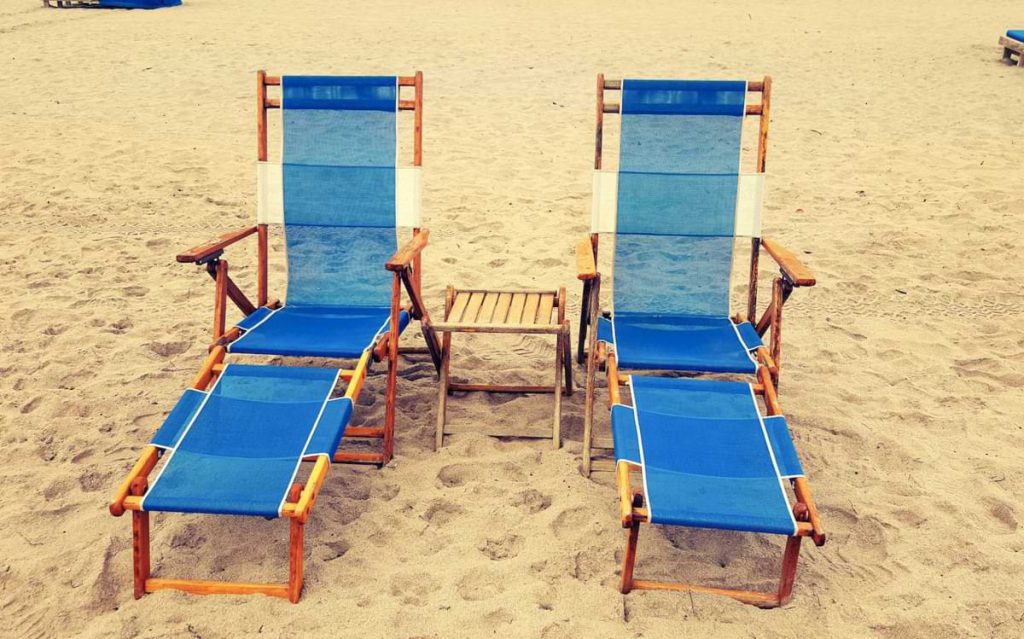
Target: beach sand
894, 171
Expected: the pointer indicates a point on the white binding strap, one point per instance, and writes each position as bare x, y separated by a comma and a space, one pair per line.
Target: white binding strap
749, 199
604, 207
270, 195
408, 196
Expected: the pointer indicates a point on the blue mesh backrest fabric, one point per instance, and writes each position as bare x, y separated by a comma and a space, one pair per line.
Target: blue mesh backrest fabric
678, 174
338, 178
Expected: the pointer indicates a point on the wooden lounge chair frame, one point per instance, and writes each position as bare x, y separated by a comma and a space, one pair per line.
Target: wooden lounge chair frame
405, 266
1012, 48
70, 4
633, 513
296, 508
793, 274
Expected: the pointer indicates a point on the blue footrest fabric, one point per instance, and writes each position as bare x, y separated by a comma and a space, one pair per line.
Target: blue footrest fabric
709, 458
235, 448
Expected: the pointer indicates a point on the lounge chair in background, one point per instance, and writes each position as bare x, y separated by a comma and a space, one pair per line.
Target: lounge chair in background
1013, 45
340, 194
110, 4
676, 204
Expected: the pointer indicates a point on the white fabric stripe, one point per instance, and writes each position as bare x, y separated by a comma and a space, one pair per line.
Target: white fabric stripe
256, 325
640, 447
739, 338
749, 200
409, 196
270, 195
167, 462
323, 406
604, 202
771, 454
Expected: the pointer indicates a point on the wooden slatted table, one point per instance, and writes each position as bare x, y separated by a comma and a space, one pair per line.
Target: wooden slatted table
509, 311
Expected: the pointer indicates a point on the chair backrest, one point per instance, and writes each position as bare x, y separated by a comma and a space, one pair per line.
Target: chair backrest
338, 187
678, 195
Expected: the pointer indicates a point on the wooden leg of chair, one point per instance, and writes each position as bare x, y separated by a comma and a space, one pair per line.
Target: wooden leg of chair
789, 561
295, 551
556, 427
220, 272
389, 409
629, 559
140, 541
588, 407
391, 392
584, 319
442, 398
567, 357
776, 323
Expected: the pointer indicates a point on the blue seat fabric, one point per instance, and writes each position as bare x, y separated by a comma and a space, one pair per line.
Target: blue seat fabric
672, 342
314, 331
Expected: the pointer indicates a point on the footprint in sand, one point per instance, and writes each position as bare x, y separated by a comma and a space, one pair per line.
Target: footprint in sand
479, 584
504, 547
1003, 513
31, 405
573, 522
441, 511
168, 349
413, 589
460, 474
337, 549
499, 617
531, 500
92, 481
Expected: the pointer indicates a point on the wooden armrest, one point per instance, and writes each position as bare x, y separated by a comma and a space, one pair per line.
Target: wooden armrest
404, 256
790, 265
203, 251
586, 267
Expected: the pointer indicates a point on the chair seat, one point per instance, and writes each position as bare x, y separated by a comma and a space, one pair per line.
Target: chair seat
235, 449
709, 459
313, 331
680, 343
1016, 34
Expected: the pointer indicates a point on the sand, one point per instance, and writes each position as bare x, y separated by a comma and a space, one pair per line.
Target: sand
895, 172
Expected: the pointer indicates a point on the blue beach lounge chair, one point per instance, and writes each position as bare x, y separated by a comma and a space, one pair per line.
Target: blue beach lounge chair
111, 4
1013, 45
676, 205
341, 197
233, 445
707, 458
